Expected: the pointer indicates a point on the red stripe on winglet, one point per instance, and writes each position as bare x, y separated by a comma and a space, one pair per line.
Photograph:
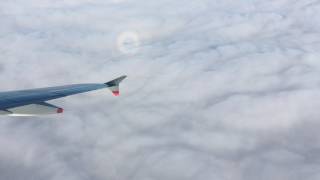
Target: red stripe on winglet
59, 110
116, 93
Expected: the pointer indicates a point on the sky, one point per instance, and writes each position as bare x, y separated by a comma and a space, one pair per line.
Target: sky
216, 90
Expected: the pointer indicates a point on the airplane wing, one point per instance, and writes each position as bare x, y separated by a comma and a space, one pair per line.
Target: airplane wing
33, 101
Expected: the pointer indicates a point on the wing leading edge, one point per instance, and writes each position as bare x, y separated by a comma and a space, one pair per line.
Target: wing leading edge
33, 101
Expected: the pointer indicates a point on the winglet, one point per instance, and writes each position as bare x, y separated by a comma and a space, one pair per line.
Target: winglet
114, 85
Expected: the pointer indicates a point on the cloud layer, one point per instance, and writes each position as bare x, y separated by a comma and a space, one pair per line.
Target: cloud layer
216, 90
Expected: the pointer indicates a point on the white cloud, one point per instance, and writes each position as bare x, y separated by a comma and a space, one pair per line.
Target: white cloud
216, 90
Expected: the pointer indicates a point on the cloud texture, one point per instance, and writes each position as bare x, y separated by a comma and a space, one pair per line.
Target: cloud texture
217, 90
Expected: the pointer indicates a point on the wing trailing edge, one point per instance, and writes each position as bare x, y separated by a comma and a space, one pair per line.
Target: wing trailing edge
35, 109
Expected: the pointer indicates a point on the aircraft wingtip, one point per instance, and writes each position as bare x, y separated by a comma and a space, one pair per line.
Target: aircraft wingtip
116, 93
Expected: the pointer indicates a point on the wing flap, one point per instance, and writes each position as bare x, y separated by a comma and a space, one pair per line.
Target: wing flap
42, 108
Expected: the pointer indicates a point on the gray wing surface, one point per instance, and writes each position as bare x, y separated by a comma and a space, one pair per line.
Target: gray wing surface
14, 99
